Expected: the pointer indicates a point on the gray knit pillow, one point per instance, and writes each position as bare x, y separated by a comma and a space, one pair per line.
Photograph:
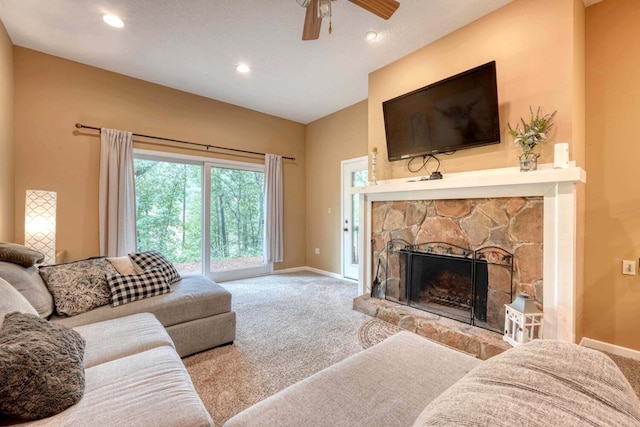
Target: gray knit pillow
41, 372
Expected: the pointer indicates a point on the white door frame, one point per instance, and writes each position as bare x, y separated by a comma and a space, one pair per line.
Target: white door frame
347, 269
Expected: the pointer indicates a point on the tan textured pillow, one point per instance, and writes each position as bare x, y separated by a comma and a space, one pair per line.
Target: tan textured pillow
124, 265
19, 254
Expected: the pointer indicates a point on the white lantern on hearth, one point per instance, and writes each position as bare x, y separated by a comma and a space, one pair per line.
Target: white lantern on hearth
523, 320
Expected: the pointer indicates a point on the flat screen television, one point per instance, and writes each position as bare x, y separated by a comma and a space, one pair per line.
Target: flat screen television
453, 114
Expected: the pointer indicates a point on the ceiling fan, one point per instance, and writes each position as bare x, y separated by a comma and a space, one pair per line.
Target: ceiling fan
318, 9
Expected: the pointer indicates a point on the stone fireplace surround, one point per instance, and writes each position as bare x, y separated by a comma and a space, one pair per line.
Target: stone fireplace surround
558, 189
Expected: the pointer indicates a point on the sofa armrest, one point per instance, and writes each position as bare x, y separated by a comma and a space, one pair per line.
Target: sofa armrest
542, 383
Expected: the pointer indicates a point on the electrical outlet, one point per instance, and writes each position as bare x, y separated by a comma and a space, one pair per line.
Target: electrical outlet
317, 251
629, 267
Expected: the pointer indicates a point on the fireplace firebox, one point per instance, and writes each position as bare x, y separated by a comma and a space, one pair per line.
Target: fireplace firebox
444, 279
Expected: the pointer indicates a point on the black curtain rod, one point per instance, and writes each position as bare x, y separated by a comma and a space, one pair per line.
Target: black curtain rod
207, 146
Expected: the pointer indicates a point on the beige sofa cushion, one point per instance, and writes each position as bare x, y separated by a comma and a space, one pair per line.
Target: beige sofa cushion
385, 385
542, 383
121, 337
151, 388
11, 300
29, 283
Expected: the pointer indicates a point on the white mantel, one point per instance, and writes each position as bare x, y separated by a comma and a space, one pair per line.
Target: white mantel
556, 186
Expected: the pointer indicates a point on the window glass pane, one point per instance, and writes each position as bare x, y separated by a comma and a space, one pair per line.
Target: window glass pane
237, 219
358, 179
169, 211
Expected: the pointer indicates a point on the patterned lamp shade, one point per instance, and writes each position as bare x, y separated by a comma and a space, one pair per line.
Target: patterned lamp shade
40, 223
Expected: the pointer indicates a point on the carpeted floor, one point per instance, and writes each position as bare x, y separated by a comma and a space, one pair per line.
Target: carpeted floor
630, 368
288, 327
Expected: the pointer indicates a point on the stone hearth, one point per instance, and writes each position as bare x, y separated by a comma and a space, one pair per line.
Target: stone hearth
478, 342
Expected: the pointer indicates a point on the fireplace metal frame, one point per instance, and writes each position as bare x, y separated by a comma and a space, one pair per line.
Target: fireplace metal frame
490, 255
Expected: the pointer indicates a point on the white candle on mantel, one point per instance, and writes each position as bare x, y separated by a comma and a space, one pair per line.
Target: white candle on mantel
374, 154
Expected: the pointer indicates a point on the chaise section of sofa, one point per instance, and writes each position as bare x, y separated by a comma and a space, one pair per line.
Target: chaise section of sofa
196, 313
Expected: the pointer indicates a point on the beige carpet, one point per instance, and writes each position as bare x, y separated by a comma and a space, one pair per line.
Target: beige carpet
289, 326
630, 368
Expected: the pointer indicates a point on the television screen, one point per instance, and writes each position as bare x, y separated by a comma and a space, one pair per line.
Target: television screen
453, 114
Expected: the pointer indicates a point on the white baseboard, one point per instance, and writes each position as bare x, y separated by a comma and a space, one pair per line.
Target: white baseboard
313, 270
611, 348
289, 270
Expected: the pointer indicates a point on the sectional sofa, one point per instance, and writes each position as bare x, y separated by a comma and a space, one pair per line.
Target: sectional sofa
74, 353
196, 312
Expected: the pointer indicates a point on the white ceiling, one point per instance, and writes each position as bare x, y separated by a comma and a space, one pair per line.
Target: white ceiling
194, 45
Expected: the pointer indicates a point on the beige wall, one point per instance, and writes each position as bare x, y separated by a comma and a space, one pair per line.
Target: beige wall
532, 43
6, 137
612, 301
339, 136
52, 94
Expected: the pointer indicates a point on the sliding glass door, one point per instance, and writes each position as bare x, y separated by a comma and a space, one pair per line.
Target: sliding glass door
205, 216
236, 220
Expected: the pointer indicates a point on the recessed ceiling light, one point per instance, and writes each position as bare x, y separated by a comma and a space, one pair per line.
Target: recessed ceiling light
243, 68
113, 20
371, 35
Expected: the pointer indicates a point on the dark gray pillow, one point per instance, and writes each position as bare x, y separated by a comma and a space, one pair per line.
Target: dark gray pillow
19, 254
41, 372
78, 286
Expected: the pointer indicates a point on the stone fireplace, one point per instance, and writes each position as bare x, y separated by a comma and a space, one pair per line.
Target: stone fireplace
530, 216
479, 254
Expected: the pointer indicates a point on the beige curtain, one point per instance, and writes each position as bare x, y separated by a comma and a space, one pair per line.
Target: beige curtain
117, 201
273, 227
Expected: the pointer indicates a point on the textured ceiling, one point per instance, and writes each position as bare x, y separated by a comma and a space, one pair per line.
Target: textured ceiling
194, 45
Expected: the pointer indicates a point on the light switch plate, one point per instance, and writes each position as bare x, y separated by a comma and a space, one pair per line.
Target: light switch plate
629, 267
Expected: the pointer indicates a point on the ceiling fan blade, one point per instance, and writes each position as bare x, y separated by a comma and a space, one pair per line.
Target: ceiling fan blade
312, 23
383, 8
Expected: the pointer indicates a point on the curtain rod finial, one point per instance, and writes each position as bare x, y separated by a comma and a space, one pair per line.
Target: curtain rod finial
78, 125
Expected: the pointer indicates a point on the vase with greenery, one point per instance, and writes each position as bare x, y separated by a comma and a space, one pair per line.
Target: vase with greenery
527, 135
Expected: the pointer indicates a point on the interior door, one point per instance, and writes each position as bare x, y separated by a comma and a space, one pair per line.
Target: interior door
354, 174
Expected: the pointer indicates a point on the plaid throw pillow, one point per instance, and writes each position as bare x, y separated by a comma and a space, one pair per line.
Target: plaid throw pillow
154, 259
131, 287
